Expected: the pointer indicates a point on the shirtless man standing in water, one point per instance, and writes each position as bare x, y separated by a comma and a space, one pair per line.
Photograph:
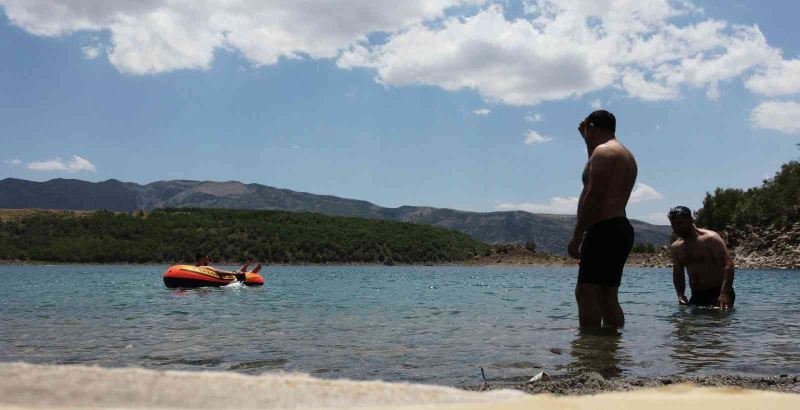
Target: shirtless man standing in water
603, 236
704, 255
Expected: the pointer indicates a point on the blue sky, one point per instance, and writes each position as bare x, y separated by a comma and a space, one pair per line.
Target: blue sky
467, 104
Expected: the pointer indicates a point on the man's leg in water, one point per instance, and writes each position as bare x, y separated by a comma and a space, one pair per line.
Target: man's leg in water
612, 312
589, 297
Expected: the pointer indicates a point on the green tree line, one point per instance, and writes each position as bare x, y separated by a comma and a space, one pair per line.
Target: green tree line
173, 235
776, 201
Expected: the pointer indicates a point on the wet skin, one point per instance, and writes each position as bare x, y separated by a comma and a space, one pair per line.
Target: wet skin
703, 255
608, 180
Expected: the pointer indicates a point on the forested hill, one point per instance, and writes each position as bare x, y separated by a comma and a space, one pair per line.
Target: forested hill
175, 235
775, 202
550, 232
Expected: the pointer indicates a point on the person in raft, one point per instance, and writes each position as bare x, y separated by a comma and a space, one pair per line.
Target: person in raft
603, 236
202, 260
703, 254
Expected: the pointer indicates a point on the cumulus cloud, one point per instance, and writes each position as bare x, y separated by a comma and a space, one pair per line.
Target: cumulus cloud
76, 164
781, 116
533, 137
152, 36
14, 161
482, 112
557, 205
651, 49
780, 79
596, 104
569, 205
561, 49
643, 192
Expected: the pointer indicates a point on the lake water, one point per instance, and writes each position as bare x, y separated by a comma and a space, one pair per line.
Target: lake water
424, 324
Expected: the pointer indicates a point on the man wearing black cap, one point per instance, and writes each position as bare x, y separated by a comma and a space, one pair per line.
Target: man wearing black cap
703, 254
603, 237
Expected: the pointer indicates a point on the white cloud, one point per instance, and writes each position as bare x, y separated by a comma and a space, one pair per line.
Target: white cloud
482, 112
90, 52
503, 60
14, 161
557, 49
557, 205
638, 86
76, 164
657, 218
781, 79
782, 116
569, 205
596, 104
569, 48
152, 36
533, 137
534, 117
643, 192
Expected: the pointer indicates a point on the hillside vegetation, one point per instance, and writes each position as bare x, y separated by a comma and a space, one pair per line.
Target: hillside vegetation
775, 202
550, 232
172, 235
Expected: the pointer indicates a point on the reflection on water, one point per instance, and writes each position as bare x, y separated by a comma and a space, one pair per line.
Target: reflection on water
596, 350
428, 324
702, 337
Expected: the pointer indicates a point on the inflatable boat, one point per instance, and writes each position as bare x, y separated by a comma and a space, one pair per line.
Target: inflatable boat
189, 276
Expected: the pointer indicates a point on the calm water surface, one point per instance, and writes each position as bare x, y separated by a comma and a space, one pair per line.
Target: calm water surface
430, 324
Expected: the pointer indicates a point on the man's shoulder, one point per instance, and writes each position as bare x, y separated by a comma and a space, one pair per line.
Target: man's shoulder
709, 235
675, 246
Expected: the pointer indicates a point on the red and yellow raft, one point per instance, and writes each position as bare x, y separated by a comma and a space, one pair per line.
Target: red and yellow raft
189, 276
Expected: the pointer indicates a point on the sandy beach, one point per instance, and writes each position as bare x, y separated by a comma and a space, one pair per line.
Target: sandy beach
28, 386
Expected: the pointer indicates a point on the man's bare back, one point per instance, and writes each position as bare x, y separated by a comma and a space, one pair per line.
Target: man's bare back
703, 255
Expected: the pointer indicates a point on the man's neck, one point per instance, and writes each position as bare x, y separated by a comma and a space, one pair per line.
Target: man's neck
693, 234
596, 142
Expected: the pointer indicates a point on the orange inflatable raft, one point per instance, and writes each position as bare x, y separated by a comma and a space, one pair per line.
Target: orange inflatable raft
189, 276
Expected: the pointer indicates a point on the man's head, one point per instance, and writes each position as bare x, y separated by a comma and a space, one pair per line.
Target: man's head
600, 123
680, 217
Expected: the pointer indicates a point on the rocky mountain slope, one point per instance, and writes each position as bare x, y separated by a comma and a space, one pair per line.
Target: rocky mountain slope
550, 232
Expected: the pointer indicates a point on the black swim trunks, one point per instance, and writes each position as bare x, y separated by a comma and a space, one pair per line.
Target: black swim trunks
605, 249
708, 297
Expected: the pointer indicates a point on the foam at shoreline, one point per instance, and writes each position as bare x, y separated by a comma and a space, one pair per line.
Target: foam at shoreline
57, 386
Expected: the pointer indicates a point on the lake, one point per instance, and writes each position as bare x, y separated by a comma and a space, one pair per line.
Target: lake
436, 325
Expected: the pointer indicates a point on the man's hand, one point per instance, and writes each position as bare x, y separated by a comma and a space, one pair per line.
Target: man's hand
574, 247
682, 300
582, 128
725, 300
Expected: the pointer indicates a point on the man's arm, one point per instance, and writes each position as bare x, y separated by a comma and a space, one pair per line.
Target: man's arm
573, 249
721, 254
600, 168
678, 276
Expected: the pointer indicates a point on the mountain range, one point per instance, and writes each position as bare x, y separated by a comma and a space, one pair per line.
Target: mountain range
550, 232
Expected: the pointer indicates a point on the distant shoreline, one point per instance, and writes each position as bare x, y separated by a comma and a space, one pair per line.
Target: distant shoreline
636, 260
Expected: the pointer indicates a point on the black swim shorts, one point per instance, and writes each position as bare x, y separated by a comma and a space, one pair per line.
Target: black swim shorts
708, 297
605, 249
